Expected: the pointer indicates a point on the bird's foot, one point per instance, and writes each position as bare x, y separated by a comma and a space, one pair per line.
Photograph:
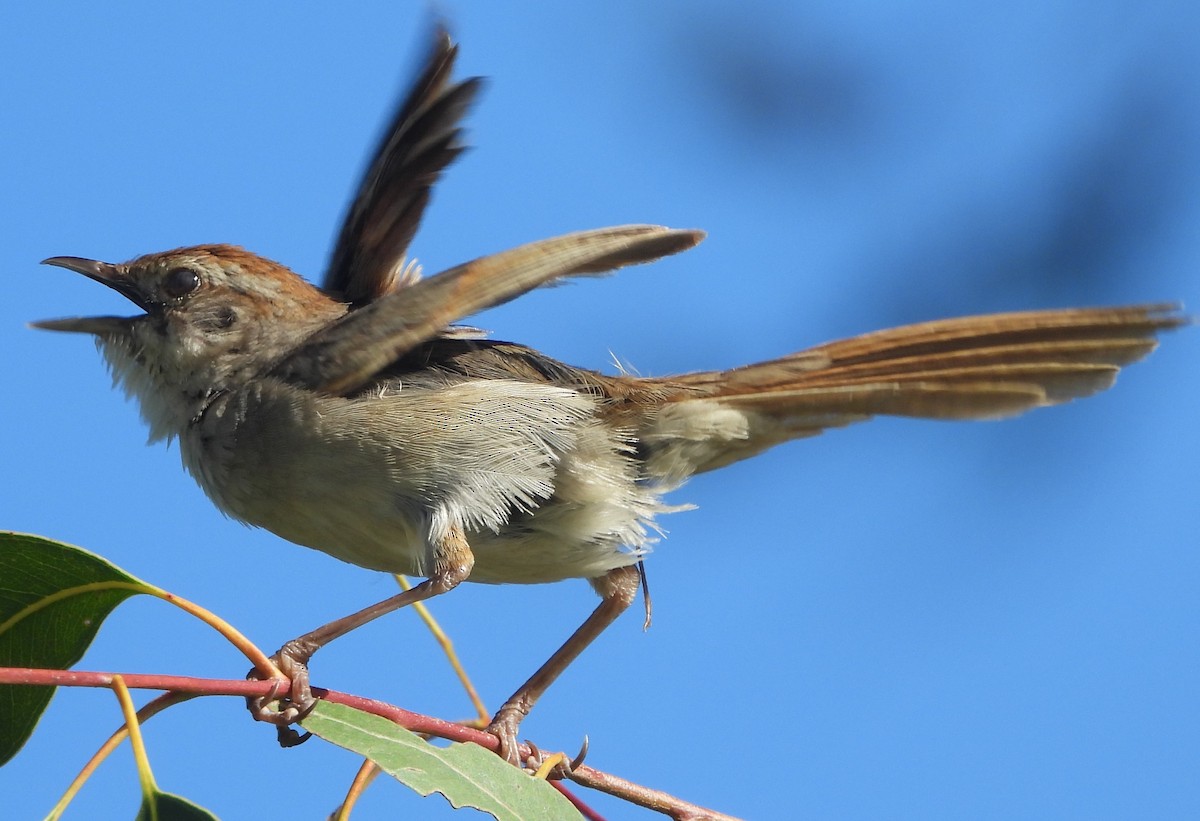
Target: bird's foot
504, 727
283, 710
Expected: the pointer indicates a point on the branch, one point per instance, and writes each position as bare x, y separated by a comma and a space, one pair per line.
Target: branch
415, 722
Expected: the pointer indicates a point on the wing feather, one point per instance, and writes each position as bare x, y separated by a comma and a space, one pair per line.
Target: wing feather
423, 138
345, 356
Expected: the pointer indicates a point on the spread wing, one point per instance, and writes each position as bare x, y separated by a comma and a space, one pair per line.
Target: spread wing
344, 356
421, 140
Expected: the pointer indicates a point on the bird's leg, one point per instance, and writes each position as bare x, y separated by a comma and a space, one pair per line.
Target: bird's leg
452, 565
617, 589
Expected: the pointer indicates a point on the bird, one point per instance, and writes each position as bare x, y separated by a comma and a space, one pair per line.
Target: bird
359, 418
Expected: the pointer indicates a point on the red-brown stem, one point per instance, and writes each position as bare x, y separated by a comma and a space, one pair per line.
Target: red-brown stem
416, 722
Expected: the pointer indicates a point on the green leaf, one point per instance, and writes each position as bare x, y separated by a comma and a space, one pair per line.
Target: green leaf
163, 806
53, 598
466, 774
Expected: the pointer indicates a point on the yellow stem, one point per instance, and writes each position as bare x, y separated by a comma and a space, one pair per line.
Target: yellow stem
257, 657
362, 779
549, 764
448, 648
152, 709
145, 774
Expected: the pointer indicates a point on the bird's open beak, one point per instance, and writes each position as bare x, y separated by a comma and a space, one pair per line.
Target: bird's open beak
114, 276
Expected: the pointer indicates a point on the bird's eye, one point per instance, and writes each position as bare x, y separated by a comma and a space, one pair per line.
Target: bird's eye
179, 282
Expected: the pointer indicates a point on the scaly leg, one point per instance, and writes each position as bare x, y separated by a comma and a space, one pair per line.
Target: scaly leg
617, 589
451, 567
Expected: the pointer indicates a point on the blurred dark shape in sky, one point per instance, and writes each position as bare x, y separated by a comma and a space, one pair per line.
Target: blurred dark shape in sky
1090, 196
1109, 193
778, 90
952, 200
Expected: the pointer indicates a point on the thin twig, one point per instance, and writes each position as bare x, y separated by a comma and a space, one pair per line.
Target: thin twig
416, 722
447, 646
147, 712
362, 779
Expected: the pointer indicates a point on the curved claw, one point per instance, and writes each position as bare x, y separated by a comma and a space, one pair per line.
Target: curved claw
288, 737
555, 766
577, 761
260, 706
535, 758
276, 686
298, 702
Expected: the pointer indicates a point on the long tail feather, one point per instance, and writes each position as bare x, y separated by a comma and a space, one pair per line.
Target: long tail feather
969, 368
979, 367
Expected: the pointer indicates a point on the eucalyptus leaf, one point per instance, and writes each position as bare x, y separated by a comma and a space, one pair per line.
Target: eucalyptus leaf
466, 774
164, 806
53, 599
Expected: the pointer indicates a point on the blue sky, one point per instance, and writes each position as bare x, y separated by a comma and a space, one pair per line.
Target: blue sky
902, 619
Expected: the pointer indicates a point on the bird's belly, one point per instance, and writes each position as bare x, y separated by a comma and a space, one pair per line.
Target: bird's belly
530, 552
541, 491
345, 515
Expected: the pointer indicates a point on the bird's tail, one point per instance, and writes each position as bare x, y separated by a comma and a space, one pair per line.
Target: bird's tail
978, 367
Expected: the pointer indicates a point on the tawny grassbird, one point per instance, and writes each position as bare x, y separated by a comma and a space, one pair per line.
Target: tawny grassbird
358, 419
